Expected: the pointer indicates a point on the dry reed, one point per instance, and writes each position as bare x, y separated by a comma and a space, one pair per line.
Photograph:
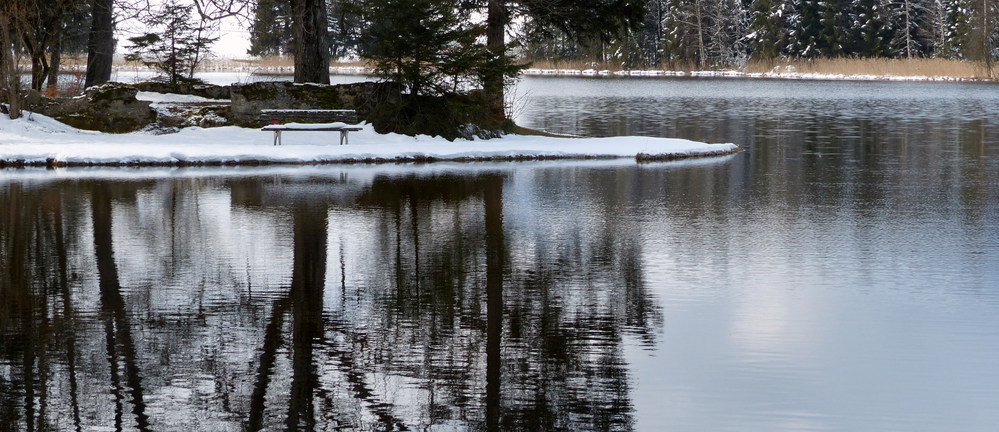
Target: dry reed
875, 67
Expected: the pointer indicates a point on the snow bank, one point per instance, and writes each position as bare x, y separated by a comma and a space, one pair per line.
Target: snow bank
37, 140
175, 98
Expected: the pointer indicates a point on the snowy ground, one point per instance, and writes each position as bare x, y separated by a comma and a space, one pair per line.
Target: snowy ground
39, 140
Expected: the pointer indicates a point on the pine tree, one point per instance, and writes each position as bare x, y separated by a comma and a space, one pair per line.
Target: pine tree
345, 25
423, 45
983, 37
872, 29
910, 17
834, 23
684, 34
727, 24
653, 32
767, 33
177, 48
270, 31
956, 29
604, 20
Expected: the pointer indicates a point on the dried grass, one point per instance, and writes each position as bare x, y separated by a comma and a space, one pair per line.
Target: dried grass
957, 69
876, 67
574, 65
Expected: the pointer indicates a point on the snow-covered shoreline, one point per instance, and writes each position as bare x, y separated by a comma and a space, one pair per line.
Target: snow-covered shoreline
37, 140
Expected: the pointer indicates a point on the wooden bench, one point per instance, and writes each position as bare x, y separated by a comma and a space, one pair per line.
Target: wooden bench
306, 120
305, 127
278, 116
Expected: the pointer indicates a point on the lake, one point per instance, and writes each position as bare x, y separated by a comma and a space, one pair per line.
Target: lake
840, 274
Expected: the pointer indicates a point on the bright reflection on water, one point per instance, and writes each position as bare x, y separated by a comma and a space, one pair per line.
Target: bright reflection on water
841, 274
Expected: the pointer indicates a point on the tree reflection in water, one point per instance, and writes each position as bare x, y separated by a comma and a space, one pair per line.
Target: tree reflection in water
432, 313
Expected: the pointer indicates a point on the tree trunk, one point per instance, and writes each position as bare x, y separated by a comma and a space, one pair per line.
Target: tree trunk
312, 56
496, 22
701, 54
986, 39
55, 62
9, 78
908, 33
39, 68
100, 47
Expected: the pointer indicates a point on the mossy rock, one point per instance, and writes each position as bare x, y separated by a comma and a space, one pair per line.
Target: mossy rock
110, 107
213, 116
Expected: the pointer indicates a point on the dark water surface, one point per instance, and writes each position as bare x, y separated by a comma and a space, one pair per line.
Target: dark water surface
841, 274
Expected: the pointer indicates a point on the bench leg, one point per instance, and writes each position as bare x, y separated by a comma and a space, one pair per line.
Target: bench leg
343, 138
277, 137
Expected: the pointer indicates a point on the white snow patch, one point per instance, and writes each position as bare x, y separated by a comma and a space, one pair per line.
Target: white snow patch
175, 98
36, 139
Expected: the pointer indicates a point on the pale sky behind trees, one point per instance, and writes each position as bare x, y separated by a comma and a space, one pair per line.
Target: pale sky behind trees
234, 36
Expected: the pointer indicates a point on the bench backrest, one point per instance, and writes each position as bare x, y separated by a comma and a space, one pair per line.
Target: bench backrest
308, 116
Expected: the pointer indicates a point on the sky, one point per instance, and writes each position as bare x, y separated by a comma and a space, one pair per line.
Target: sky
234, 40
234, 37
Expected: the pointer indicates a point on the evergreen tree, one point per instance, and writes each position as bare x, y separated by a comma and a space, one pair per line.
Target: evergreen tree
603, 19
956, 29
767, 33
75, 28
684, 34
872, 29
817, 28
653, 32
834, 22
728, 22
345, 25
910, 16
983, 37
270, 31
423, 45
177, 48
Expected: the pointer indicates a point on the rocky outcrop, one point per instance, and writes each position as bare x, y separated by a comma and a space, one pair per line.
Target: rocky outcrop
110, 107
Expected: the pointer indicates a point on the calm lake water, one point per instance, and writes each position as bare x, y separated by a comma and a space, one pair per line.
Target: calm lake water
840, 274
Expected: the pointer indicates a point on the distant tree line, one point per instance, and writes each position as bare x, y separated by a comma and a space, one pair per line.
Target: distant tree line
694, 33
724, 33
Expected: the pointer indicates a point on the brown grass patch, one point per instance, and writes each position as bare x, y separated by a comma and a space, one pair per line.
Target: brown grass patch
573, 65
876, 67
955, 69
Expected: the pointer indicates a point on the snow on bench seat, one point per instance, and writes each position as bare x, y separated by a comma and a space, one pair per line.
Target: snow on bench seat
343, 128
